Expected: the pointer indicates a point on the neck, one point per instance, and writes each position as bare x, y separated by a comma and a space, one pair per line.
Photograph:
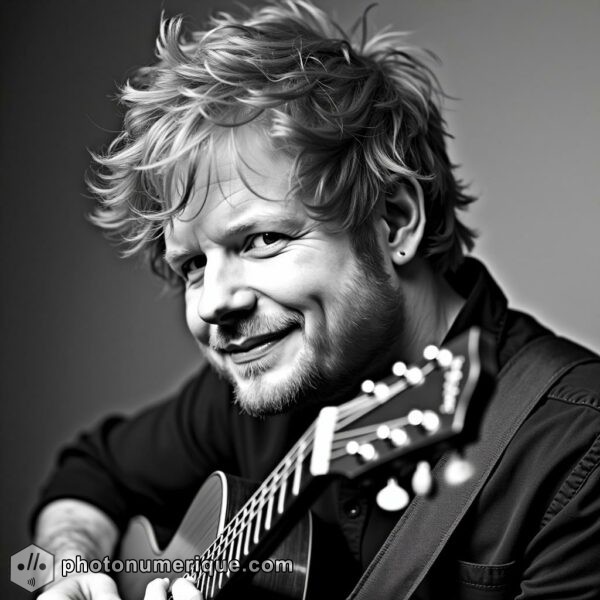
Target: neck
431, 306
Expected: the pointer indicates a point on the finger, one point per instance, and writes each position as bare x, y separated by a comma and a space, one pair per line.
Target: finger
157, 589
97, 587
182, 589
102, 588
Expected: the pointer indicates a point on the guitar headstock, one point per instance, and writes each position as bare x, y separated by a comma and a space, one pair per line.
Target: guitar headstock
410, 414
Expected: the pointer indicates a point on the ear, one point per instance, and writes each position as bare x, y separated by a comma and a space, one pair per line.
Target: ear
405, 218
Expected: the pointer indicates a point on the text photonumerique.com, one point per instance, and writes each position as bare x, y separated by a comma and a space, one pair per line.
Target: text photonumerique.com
159, 566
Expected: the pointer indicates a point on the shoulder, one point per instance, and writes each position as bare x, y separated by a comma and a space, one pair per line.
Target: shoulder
580, 387
568, 417
572, 403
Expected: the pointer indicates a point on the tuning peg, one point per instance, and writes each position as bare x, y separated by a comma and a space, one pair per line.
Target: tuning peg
380, 390
422, 480
414, 376
444, 358
392, 497
352, 447
367, 386
383, 432
397, 437
366, 452
399, 369
431, 421
415, 417
431, 352
458, 470
458, 362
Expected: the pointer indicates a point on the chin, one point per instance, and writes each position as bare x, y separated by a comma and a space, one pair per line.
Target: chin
267, 389
267, 393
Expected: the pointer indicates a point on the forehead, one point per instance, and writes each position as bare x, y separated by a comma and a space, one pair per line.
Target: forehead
240, 178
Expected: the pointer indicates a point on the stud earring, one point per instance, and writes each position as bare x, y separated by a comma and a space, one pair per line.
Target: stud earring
401, 253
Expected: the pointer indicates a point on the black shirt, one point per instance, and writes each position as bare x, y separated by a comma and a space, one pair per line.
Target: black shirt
534, 531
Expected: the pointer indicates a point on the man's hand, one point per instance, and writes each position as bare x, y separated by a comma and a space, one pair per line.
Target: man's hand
99, 586
181, 589
94, 586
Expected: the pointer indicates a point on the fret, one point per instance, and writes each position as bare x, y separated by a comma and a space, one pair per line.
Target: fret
283, 489
201, 583
206, 592
240, 535
221, 576
230, 556
299, 465
269, 516
213, 580
206, 584
248, 527
216, 555
258, 518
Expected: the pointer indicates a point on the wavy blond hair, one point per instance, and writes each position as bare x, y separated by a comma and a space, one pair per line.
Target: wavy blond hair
356, 116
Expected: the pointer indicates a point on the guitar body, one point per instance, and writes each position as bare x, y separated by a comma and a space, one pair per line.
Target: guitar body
214, 505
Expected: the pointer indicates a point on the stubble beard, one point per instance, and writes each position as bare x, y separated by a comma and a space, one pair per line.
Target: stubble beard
366, 323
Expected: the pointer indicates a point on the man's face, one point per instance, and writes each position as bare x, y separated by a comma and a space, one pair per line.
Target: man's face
280, 303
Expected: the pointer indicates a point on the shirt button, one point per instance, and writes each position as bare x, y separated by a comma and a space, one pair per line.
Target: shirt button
352, 510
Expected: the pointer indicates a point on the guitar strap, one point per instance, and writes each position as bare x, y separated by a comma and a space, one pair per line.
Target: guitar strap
423, 530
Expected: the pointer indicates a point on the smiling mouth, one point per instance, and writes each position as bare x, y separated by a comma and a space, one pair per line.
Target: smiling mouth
255, 347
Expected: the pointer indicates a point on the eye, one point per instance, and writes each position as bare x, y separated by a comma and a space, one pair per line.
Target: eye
262, 240
192, 265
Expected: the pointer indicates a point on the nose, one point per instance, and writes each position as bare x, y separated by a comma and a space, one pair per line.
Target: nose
225, 296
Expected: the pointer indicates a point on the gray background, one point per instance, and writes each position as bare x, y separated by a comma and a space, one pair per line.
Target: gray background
85, 334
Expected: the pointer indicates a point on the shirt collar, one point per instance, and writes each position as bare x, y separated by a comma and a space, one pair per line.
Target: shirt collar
486, 305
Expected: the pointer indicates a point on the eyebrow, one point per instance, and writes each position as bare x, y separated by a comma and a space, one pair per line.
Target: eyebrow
173, 257
257, 224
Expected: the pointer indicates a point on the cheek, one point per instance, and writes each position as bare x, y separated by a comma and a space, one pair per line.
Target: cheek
198, 328
297, 283
310, 282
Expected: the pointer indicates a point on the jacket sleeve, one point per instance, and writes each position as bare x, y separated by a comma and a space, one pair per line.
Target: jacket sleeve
152, 462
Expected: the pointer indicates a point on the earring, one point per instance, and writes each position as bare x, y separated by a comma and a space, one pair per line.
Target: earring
401, 253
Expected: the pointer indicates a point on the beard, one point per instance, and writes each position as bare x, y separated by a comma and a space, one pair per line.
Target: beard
364, 325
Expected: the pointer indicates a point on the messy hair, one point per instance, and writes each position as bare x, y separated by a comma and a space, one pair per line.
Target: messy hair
357, 117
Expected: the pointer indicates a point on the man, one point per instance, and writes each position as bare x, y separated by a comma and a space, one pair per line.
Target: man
297, 188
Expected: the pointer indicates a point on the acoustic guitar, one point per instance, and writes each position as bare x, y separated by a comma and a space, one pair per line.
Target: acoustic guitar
416, 413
